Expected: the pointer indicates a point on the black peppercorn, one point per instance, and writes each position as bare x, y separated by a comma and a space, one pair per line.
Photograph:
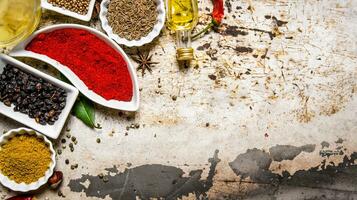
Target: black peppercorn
31, 95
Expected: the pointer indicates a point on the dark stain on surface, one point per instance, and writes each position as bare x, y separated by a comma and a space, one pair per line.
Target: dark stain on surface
243, 49
325, 144
270, 33
339, 141
288, 152
279, 22
276, 20
205, 46
212, 77
234, 31
255, 164
147, 181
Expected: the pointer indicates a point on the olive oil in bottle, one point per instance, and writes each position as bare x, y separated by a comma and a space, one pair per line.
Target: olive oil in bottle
182, 17
18, 19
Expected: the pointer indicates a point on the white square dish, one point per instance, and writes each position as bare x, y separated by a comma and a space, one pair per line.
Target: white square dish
87, 17
51, 131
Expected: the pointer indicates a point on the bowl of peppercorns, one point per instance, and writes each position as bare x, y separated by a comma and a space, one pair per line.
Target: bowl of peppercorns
34, 98
80, 9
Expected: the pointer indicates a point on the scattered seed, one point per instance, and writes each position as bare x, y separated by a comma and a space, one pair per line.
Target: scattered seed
67, 161
59, 151
98, 140
63, 141
105, 179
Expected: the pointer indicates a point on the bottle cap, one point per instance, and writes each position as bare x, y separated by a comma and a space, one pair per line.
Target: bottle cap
184, 54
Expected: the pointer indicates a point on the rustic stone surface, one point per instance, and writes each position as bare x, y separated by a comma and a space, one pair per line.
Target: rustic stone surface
276, 73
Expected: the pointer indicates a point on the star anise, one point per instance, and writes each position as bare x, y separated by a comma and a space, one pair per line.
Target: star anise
144, 61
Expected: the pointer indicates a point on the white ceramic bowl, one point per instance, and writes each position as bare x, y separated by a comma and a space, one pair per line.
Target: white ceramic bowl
130, 43
51, 131
86, 17
133, 105
23, 187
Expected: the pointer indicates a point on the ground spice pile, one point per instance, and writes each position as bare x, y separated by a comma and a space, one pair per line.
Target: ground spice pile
101, 68
78, 6
24, 158
132, 19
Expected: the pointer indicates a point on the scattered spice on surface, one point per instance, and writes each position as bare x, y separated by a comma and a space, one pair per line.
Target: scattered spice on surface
78, 6
90, 58
132, 19
66, 161
25, 158
144, 61
98, 140
31, 95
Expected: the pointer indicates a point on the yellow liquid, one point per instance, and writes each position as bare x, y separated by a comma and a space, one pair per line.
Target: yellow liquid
182, 14
18, 19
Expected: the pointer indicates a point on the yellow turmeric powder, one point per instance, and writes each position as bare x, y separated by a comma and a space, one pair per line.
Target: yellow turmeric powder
25, 158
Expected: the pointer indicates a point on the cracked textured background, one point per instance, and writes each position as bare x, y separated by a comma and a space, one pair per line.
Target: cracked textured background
267, 111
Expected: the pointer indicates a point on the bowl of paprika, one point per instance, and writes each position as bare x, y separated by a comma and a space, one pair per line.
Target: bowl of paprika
90, 60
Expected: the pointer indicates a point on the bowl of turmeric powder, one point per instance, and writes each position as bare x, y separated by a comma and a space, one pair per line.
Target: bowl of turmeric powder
27, 160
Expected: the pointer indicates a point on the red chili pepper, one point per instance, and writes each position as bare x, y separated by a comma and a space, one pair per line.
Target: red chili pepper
218, 12
217, 16
21, 198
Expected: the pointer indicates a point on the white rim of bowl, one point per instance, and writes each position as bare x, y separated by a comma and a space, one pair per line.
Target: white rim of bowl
22, 187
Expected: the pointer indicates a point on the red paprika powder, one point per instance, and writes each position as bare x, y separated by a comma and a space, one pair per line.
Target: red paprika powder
97, 64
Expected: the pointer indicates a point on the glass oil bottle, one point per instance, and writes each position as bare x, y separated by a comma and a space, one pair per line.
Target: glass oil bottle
18, 19
182, 17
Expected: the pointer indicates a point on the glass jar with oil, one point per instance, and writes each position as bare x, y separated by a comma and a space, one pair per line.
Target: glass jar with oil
182, 17
18, 19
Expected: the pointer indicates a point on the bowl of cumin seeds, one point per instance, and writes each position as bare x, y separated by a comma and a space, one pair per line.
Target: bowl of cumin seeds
79, 9
132, 23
